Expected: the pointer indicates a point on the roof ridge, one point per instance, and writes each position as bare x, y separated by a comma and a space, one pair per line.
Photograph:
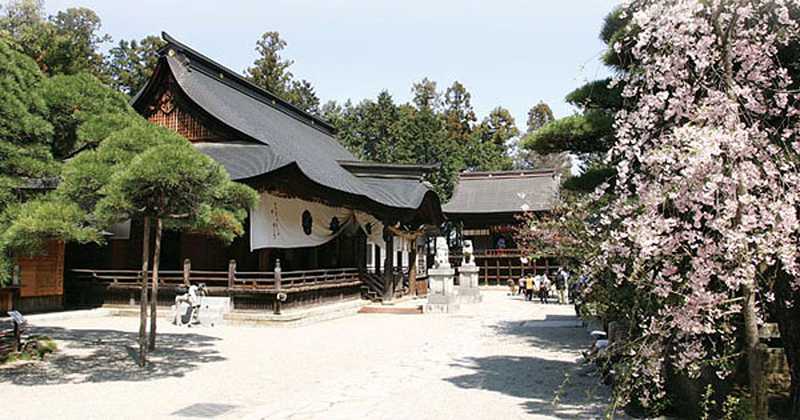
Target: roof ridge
520, 173
249, 87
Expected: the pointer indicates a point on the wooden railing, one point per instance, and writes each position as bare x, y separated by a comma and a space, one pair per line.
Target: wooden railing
258, 281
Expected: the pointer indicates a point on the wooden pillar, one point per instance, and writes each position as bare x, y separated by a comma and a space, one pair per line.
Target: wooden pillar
187, 269
361, 251
412, 269
376, 250
263, 259
388, 270
231, 273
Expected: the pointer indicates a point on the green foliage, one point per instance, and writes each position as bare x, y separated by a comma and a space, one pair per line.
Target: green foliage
422, 133
75, 46
66, 43
591, 132
538, 116
23, 109
35, 348
597, 95
498, 127
271, 72
24, 136
458, 113
181, 185
35, 222
488, 143
428, 130
425, 95
75, 99
99, 126
84, 176
617, 29
131, 63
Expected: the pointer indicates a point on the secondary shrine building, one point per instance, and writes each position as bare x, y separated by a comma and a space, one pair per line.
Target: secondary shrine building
325, 217
485, 208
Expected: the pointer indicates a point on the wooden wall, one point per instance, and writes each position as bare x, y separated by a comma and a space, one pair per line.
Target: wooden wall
6, 300
43, 275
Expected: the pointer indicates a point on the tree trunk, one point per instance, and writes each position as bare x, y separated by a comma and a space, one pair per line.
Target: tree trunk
755, 371
154, 290
786, 311
143, 297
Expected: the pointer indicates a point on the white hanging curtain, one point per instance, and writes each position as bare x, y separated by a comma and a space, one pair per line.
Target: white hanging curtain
371, 226
278, 222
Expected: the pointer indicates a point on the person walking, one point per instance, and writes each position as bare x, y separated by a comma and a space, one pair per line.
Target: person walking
528, 288
562, 285
544, 288
521, 290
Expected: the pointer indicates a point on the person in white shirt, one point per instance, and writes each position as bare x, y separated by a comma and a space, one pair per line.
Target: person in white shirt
544, 288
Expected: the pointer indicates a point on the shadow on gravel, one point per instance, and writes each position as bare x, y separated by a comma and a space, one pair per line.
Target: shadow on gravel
557, 388
111, 355
555, 332
550, 387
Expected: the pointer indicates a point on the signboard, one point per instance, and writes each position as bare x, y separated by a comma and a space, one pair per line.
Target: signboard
475, 232
17, 317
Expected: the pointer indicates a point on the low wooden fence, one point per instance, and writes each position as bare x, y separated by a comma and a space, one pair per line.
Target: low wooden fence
231, 282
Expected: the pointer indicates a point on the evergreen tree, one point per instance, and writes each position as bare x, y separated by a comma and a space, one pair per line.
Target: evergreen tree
24, 136
524, 158
66, 43
74, 99
589, 134
271, 72
458, 113
425, 95
131, 63
539, 116
177, 187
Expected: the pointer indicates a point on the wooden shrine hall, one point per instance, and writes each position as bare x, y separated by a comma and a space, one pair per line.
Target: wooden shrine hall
320, 207
485, 207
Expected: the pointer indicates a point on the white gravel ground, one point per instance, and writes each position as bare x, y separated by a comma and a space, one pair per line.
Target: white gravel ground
502, 359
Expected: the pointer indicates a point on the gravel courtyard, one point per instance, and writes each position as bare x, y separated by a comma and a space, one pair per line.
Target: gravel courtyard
502, 359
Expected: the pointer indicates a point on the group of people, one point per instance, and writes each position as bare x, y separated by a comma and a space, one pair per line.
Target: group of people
541, 286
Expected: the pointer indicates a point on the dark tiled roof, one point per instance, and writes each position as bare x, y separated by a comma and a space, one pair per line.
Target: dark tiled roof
280, 134
242, 160
503, 192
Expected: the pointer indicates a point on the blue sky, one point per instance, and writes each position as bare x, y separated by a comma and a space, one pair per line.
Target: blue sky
512, 53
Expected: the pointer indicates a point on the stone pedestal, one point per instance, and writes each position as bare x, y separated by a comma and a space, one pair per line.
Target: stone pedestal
468, 290
441, 294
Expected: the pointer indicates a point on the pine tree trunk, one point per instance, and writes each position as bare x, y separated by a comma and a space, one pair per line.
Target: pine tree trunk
758, 394
154, 290
143, 297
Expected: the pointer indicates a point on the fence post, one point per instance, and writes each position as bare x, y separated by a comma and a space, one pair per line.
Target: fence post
187, 268
278, 294
231, 273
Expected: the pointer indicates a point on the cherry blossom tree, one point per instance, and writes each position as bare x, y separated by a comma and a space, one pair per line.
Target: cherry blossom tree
705, 201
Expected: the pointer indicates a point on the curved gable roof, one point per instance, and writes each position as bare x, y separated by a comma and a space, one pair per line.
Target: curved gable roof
288, 135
